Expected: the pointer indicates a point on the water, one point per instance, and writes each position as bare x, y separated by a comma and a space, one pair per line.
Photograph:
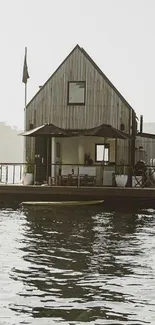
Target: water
77, 265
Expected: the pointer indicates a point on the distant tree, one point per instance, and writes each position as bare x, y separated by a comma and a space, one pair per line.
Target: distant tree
11, 144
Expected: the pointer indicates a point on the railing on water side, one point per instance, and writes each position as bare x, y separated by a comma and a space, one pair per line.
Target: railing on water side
77, 174
11, 173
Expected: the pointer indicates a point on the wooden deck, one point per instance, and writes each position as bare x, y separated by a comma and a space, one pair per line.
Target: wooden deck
15, 194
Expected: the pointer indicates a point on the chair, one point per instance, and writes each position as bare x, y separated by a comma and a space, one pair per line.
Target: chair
87, 175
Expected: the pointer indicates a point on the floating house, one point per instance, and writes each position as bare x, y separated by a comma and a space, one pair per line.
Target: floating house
79, 120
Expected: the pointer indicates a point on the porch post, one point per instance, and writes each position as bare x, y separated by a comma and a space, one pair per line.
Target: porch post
81, 153
132, 147
48, 157
53, 159
115, 151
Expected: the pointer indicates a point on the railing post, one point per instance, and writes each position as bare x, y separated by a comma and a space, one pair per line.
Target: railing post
34, 181
78, 185
14, 174
6, 181
130, 174
20, 173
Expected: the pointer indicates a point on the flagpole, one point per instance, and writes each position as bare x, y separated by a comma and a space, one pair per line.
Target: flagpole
25, 121
24, 157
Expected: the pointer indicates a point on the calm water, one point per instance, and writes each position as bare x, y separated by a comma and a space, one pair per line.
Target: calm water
75, 266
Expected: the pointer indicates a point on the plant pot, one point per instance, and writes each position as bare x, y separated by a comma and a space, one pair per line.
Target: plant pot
28, 179
121, 180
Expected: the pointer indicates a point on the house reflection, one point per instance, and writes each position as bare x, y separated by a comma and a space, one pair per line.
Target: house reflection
71, 257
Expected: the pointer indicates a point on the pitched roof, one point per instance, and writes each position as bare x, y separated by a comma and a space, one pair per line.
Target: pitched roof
95, 66
146, 135
105, 77
77, 46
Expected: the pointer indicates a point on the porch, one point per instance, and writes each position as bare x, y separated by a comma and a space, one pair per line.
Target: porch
74, 157
82, 161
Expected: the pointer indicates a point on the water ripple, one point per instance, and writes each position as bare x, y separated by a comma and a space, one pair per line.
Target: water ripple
71, 267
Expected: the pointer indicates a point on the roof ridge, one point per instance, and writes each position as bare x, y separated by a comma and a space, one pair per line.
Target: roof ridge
95, 66
105, 77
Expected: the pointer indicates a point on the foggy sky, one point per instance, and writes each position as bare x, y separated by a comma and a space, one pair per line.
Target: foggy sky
117, 34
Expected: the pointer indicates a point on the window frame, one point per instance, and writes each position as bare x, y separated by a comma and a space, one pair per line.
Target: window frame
76, 103
107, 145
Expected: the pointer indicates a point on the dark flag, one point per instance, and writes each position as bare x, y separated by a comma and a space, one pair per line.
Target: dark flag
25, 69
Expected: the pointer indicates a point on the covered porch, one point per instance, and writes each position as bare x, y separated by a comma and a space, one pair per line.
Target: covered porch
92, 158
86, 157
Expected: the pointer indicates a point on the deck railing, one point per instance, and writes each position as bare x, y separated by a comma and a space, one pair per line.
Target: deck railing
11, 173
77, 175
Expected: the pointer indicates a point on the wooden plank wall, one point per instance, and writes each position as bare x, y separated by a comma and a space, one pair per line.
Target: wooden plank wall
148, 151
103, 104
122, 152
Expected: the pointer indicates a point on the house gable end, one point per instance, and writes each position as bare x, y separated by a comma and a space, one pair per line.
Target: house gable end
102, 102
74, 49
105, 77
95, 66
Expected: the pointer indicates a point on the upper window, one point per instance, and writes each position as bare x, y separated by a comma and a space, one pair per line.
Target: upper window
102, 152
76, 92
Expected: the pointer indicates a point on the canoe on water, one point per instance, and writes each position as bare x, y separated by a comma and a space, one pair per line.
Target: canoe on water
45, 204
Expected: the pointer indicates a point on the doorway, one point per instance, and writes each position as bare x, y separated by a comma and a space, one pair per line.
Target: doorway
42, 158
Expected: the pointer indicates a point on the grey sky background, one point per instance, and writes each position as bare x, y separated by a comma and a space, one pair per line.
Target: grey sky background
118, 34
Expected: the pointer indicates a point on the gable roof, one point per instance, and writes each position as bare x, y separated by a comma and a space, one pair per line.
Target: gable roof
105, 77
95, 66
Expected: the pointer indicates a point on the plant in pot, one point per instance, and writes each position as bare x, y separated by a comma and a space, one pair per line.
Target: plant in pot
121, 177
28, 176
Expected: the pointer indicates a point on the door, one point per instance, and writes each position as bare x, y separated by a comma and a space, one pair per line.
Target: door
42, 158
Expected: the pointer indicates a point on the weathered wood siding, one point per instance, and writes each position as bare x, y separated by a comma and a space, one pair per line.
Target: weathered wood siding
103, 104
148, 149
122, 154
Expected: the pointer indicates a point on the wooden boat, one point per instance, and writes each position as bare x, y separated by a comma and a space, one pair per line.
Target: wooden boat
51, 204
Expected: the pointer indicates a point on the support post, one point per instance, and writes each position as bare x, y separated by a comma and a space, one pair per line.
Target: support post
53, 159
24, 157
132, 148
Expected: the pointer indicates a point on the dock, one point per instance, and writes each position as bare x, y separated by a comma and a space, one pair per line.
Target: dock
11, 195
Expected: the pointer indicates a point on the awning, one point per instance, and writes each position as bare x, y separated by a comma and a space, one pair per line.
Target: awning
107, 131
32, 131
104, 130
46, 130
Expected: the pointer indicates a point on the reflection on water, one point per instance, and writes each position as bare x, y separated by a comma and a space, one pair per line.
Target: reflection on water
77, 265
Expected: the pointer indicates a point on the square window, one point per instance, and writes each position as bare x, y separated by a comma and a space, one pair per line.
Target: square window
76, 92
102, 152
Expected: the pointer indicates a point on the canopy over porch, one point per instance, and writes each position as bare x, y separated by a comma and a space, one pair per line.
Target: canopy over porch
73, 145
106, 131
103, 130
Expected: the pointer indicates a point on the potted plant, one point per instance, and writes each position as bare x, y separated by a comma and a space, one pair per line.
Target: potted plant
121, 177
28, 176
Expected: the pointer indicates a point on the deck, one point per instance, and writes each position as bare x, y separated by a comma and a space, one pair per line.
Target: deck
11, 195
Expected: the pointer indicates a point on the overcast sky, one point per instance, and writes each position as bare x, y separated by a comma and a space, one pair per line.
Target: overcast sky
118, 34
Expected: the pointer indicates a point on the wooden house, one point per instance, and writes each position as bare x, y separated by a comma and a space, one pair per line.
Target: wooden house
79, 97
145, 148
